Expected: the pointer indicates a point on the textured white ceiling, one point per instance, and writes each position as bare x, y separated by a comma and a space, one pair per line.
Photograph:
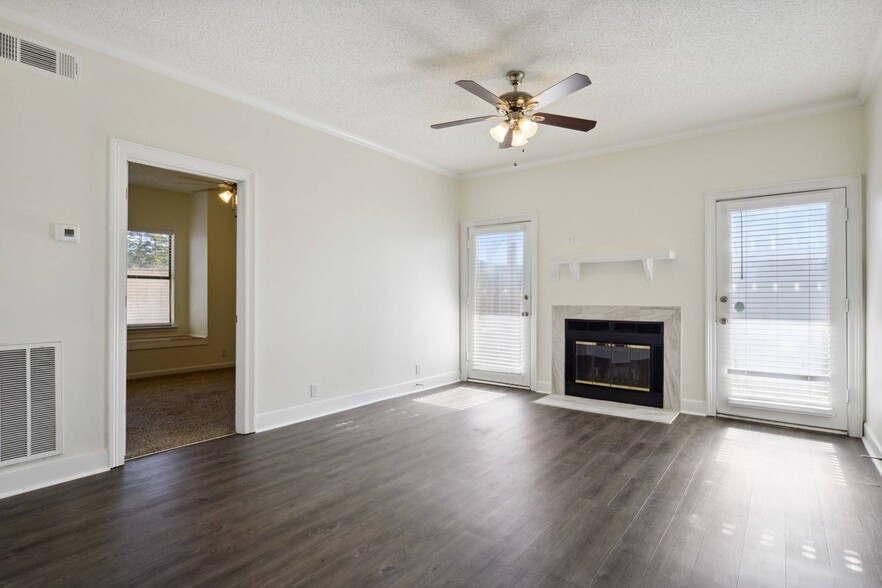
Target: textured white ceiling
147, 176
384, 70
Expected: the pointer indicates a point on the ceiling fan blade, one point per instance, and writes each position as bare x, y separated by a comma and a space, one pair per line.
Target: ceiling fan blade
562, 89
480, 91
566, 122
465, 121
506, 142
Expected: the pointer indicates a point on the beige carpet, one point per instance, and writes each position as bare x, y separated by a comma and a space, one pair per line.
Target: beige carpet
171, 411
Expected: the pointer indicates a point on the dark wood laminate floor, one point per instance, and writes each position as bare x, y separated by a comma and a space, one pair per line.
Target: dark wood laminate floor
507, 493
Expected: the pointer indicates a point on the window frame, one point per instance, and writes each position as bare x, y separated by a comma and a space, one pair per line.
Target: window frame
171, 279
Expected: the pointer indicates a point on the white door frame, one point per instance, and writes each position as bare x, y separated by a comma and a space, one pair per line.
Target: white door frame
854, 284
121, 154
464, 287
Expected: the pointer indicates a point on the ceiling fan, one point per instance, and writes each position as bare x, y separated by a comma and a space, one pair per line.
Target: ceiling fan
518, 110
228, 190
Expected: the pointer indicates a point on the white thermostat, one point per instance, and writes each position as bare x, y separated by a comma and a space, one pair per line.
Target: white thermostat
67, 233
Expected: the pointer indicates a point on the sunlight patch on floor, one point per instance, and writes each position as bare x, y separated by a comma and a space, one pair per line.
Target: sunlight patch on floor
459, 398
781, 453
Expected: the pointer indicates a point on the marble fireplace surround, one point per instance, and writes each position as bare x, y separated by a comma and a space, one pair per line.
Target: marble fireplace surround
669, 315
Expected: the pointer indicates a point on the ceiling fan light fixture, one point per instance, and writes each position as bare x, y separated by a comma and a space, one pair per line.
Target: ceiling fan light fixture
229, 194
499, 131
518, 139
527, 127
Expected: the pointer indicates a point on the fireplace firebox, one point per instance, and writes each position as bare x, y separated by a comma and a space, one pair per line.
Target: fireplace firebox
621, 361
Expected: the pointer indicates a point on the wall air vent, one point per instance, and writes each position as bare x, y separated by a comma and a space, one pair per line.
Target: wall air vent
30, 402
37, 55
8, 47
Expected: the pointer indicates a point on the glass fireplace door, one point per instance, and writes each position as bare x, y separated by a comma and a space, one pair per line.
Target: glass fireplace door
613, 365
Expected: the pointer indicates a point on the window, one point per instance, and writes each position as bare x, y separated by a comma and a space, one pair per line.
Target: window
150, 279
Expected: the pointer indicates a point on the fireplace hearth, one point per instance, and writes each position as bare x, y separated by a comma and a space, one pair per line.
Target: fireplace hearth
620, 361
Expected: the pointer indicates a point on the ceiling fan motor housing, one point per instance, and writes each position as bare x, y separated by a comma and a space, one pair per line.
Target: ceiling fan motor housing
515, 101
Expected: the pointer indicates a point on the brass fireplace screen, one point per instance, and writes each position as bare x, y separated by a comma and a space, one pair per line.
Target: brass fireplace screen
613, 365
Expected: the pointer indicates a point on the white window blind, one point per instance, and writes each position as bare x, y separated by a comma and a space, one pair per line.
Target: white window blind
497, 341
149, 280
779, 327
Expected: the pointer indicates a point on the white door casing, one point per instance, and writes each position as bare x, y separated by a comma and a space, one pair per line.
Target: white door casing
121, 154
853, 186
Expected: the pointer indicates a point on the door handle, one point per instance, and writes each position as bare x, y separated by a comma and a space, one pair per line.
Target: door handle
525, 314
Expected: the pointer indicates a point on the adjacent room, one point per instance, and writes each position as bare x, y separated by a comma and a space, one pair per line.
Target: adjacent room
560, 294
180, 310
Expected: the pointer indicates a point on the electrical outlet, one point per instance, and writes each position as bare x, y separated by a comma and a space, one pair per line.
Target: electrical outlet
223, 352
417, 369
571, 240
554, 276
313, 390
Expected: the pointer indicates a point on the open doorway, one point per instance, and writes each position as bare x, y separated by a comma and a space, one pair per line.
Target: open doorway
179, 326
180, 309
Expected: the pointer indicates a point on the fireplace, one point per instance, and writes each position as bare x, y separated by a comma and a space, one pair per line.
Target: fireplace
621, 361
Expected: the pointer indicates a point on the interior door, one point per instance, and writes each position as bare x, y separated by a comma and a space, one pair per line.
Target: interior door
781, 308
499, 303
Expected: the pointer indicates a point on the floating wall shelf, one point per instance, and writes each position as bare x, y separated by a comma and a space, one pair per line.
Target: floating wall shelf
647, 257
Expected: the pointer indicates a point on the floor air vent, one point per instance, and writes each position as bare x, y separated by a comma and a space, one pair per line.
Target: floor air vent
30, 401
38, 55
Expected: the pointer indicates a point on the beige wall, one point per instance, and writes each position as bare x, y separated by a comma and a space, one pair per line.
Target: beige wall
356, 276
653, 198
873, 261
160, 209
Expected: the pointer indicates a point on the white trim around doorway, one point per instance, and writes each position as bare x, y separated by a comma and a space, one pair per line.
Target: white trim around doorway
121, 154
464, 287
854, 286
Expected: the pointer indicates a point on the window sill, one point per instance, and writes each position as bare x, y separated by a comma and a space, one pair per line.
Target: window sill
137, 328
165, 342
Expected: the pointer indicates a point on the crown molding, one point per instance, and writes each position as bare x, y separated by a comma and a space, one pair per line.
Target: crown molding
70, 36
874, 66
707, 130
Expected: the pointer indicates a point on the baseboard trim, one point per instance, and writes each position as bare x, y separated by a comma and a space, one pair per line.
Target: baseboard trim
40, 474
181, 370
304, 412
543, 387
871, 442
696, 407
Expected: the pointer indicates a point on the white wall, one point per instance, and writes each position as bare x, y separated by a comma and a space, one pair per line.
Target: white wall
653, 198
356, 252
873, 261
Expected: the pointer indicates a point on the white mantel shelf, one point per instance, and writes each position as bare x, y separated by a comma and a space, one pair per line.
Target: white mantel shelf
647, 257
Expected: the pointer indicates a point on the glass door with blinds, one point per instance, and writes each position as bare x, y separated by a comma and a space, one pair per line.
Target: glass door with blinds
781, 309
499, 304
